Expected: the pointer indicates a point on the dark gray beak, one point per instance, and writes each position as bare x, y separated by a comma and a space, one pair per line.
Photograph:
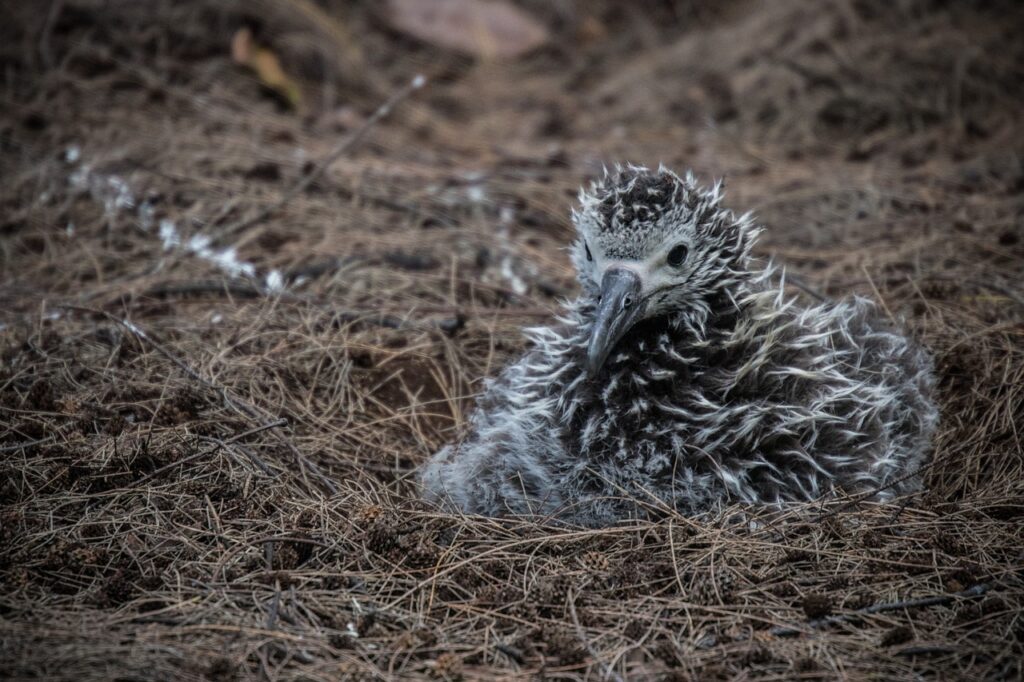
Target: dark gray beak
620, 307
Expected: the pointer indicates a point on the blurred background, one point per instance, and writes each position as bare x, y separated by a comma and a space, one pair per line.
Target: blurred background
208, 223
844, 124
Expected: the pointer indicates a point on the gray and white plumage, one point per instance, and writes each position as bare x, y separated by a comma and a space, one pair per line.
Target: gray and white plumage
684, 376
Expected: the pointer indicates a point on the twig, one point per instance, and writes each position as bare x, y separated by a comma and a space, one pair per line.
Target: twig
515, 654
268, 549
812, 76
897, 279
878, 294
868, 494
239, 289
26, 444
245, 288
856, 616
991, 286
275, 606
242, 406
45, 49
256, 461
180, 462
926, 650
248, 453
803, 286
345, 145
608, 672
271, 624
376, 318
218, 444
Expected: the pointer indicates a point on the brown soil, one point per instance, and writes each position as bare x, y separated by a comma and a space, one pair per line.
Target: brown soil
157, 520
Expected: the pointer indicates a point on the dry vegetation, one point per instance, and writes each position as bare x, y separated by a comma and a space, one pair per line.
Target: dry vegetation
204, 479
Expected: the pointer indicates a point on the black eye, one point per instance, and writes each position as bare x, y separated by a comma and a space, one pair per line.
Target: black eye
589, 256
677, 255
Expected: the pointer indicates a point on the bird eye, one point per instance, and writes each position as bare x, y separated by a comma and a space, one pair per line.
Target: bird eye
677, 255
589, 256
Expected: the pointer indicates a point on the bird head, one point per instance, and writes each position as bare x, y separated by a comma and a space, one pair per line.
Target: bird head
654, 244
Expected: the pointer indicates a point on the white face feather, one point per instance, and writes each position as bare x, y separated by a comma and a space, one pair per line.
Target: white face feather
635, 218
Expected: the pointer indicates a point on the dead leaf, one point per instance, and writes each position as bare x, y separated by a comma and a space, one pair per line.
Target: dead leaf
265, 64
482, 28
591, 30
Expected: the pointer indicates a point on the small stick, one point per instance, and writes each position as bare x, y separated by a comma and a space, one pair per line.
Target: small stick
256, 429
242, 406
345, 145
510, 651
926, 650
180, 462
232, 288
268, 550
209, 451
868, 494
26, 444
259, 463
878, 294
981, 284
241, 289
246, 290
922, 602
803, 286
45, 51
608, 672
274, 606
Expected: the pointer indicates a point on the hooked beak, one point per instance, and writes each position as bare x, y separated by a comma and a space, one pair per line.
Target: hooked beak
620, 307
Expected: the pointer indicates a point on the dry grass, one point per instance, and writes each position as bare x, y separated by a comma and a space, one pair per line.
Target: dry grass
220, 487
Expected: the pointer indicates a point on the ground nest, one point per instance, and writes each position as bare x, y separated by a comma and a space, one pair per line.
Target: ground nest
222, 359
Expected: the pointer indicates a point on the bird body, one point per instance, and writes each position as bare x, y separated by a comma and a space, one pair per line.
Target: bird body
684, 377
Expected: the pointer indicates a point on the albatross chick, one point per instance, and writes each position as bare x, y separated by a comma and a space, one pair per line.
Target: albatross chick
683, 376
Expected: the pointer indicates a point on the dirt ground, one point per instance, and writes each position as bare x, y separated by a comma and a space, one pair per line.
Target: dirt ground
214, 390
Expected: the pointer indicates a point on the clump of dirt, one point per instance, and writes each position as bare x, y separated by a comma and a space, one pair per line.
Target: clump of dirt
816, 606
899, 634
